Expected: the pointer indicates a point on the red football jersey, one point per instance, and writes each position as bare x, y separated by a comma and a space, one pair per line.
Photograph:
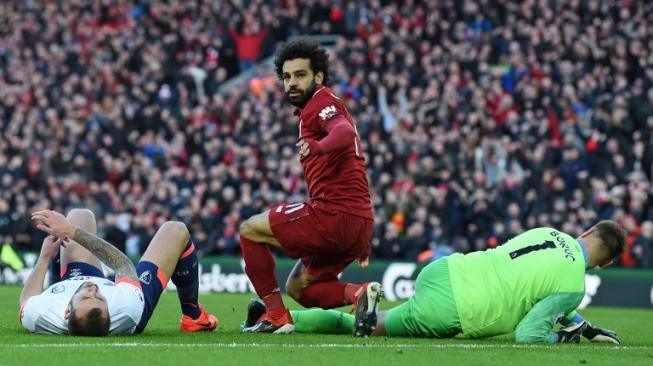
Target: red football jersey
338, 178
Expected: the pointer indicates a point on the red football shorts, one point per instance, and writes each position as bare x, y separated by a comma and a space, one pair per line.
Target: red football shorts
325, 240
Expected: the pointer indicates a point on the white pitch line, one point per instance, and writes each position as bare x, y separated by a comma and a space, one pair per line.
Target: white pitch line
300, 345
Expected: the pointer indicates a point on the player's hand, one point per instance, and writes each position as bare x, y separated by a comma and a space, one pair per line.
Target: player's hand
53, 223
596, 334
304, 149
364, 262
572, 333
50, 247
308, 147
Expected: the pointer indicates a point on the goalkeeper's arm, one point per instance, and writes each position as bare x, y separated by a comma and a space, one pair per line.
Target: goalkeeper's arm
537, 325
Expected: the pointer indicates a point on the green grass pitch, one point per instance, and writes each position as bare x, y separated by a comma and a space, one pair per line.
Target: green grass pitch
162, 344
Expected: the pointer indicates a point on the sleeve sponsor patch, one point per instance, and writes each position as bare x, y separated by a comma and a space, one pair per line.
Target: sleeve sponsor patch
328, 112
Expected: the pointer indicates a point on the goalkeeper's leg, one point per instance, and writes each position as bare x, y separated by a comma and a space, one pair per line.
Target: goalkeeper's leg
388, 323
322, 321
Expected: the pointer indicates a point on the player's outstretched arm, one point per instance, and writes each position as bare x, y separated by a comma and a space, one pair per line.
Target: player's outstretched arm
537, 325
56, 224
34, 283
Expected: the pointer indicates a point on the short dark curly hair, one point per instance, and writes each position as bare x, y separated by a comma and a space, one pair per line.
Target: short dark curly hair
303, 49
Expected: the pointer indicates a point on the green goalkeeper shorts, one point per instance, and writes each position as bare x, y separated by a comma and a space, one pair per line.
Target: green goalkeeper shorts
431, 312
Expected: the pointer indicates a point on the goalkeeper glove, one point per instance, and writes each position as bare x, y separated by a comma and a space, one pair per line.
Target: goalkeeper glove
572, 333
596, 334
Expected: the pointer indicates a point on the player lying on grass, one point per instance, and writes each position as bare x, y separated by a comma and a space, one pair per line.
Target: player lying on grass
526, 285
85, 303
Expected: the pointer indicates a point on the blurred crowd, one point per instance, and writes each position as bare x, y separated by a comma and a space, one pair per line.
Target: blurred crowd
479, 119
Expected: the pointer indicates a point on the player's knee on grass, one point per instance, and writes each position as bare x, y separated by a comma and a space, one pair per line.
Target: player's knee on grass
298, 280
294, 288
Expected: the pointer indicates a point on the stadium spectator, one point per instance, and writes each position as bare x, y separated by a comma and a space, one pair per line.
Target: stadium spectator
248, 44
643, 246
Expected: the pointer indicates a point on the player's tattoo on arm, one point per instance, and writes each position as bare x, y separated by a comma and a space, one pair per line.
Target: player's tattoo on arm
107, 253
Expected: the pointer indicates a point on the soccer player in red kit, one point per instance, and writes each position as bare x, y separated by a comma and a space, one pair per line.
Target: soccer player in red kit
333, 227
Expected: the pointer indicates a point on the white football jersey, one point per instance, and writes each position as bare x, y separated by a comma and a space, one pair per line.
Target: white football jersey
44, 313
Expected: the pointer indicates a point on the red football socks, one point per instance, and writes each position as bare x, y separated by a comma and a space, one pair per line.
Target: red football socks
325, 295
259, 266
274, 304
351, 290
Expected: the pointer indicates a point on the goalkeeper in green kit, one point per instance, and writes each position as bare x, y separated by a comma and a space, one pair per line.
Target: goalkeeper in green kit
527, 285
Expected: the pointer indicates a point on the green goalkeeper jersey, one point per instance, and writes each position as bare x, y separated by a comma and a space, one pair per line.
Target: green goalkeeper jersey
524, 285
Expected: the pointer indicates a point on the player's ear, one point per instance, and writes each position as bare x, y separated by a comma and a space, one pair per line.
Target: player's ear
588, 233
319, 77
66, 313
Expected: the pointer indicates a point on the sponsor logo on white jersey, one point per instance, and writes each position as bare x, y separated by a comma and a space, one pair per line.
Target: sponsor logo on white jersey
58, 289
75, 272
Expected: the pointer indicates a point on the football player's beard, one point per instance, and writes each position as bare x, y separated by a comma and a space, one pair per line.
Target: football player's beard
303, 97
